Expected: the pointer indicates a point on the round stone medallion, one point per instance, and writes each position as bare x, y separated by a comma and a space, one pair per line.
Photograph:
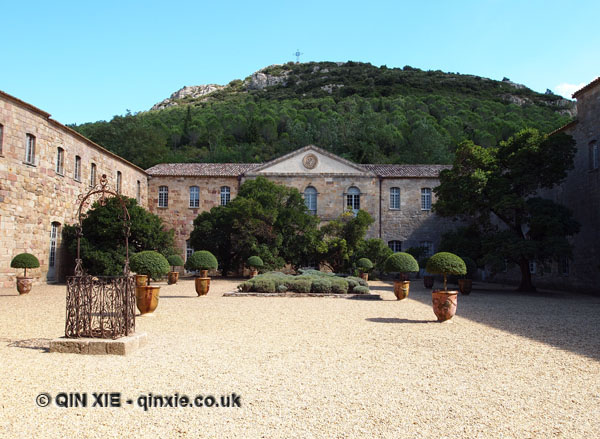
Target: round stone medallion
310, 161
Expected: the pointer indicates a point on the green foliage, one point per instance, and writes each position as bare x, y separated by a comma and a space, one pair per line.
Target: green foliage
360, 290
374, 249
255, 262
372, 114
175, 261
496, 188
401, 263
464, 241
265, 220
150, 263
310, 281
201, 260
25, 260
263, 286
103, 240
364, 264
321, 285
446, 263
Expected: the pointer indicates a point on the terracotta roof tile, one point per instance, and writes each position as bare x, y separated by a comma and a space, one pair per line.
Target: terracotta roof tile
406, 170
587, 87
200, 169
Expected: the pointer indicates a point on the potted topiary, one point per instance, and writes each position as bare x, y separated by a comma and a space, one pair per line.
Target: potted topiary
465, 285
444, 301
365, 266
428, 279
254, 262
174, 261
153, 265
25, 261
401, 263
202, 260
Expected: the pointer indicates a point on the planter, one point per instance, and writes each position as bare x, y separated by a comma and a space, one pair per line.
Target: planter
465, 286
173, 277
24, 284
428, 281
364, 276
253, 273
401, 288
202, 285
141, 280
204, 274
444, 304
146, 298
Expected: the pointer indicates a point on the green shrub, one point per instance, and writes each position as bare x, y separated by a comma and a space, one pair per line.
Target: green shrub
339, 285
320, 285
281, 288
360, 281
360, 290
263, 286
175, 261
244, 287
365, 265
299, 285
401, 263
202, 260
25, 261
255, 262
150, 263
446, 263
352, 283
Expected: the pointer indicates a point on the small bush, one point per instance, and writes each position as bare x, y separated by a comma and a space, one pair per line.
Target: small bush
339, 286
446, 263
244, 287
175, 261
202, 260
281, 288
352, 282
401, 263
360, 290
299, 285
255, 262
263, 286
321, 285
25, 261
150, 263
365, 265
358, 280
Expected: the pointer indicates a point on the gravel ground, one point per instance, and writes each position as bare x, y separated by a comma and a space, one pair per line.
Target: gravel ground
507, 366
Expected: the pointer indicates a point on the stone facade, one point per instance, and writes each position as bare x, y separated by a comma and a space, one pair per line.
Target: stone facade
34, 196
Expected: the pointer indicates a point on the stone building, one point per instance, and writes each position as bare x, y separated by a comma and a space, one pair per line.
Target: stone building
398, 197
44, 166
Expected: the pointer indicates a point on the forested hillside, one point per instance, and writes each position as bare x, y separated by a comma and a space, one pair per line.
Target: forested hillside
364, 113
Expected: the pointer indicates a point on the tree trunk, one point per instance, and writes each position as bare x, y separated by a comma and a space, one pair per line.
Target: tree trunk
526, 284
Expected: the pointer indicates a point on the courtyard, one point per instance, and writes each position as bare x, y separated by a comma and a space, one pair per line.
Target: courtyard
508, 365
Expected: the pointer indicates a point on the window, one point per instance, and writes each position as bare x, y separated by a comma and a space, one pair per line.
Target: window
53, 238
163, 196
93, 175
353, 199
77, 173
310, 199
532, 267
427, 247
225, 195
119, 178
594, 159
396, 246
60, 161
138, 192
189, 250
194, 196
1, 137
426, 199
395, 198
30, 149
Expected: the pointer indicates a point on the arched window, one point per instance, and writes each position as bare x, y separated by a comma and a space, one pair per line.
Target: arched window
396, 246
426, 198
353, 199
60, 160
225, 195
54, 233
163, 196
77, 171
395, 198
194, 196
119, 178
310, 199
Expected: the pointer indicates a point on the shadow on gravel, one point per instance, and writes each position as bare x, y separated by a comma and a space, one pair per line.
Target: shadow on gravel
394, 320
41, 344
568, 321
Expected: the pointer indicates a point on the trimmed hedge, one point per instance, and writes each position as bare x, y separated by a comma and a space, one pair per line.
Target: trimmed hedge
364, 264
310, 281
202, 260
175, 261
150, 263
401, 263
255, 262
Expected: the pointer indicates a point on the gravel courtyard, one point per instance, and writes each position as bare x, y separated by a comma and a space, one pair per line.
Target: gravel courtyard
507, 366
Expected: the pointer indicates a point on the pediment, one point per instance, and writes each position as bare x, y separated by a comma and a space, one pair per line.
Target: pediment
310, 160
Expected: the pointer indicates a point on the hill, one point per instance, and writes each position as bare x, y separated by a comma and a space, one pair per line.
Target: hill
364, 113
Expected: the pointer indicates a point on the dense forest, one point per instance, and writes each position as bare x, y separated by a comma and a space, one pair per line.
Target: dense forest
361, 112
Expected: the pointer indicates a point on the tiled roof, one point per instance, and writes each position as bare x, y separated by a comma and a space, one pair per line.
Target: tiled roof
406, 170
587, 87
564, 127
201, 169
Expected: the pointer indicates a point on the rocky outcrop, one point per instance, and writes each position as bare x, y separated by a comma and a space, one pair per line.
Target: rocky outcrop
260, 80
194, 92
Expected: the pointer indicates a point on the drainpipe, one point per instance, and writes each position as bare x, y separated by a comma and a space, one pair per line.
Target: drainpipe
380, 201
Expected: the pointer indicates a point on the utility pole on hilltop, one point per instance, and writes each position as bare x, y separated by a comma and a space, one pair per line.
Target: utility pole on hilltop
297, 55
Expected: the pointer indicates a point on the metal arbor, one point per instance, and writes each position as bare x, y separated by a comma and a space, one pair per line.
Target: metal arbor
100, 306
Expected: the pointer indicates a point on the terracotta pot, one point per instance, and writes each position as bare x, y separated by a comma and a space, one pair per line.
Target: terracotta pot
173, 277
428, 281
204, 274
364, 276
444, 304
253, 273
141, 280
202, 285
146, 298
24, 284
401, 288
465, 286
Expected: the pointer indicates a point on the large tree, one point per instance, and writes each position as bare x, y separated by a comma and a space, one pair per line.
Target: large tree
496, 188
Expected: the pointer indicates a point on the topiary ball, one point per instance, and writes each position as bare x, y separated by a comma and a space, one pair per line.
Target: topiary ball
255, 262
446, 263
364, 264
150, 263
25, 260
202, 260
401, 263
175, 260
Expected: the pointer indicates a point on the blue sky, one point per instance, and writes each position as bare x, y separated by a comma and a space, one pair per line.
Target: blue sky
85, 61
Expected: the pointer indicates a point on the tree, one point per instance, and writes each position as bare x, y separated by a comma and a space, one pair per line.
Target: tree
103, 240
496, 187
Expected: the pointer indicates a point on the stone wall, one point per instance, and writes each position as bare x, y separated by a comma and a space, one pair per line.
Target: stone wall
33, 196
